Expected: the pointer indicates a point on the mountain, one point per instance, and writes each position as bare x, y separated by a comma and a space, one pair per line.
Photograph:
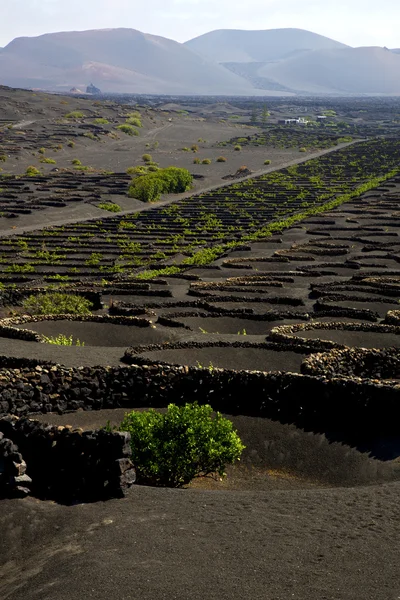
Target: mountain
224, 62
116, 60
344, 71
239, 46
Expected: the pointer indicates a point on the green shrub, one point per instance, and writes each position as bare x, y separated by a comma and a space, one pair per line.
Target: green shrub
75, 114
101, 121
128, 129
3, 158
42, 150
32, 171
62, 340
135, 121
238, 147
150, 186
140, 170
76, 161
186, 442
221, 159
15, 268
196, 161
303, 149
147, 158
267, 162
206, 161
48, 161
57, 303
71, 144
110, 206
194, 148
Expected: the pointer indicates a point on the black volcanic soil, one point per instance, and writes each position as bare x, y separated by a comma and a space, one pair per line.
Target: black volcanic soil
250, 359
104, 334
299, 518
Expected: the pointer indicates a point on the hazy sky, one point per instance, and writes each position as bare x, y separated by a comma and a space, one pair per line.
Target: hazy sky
354, 22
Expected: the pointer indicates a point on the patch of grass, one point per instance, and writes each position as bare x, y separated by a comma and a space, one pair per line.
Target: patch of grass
62, 340
110, 206
135, 121
128, 129
48, 161
32, 171
75, 114
57, 303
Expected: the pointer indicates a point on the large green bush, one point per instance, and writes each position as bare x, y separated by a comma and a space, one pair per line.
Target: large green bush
150, 186
173, 448
57, 304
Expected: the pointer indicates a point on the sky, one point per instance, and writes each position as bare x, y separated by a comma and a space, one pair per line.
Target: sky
353, 22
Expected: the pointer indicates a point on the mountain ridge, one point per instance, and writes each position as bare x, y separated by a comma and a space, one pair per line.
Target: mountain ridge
228, 62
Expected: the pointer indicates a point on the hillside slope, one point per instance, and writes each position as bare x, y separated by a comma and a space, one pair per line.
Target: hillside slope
348, 71
234, 45
120, 60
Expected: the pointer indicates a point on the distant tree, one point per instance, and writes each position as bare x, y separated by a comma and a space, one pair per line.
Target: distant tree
264, 114
254, 115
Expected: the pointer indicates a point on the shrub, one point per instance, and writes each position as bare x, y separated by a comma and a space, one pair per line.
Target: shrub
101, 121
150, 186
71, 144
146, 188
206, 161
32, 171
15, 268
147, 158
196, 161
42, 150
267, 162
135, 121
76, 161
153, 168
186, 442
62, 340
194, 148
238, 147
75, 114
128, 129
110, 206
303, 149
140, 170
3, 158
48, 161
221, 159
57, 303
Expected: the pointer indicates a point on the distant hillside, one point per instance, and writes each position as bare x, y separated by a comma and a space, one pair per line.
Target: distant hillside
224, 62
347, 71
119, 60
234, 45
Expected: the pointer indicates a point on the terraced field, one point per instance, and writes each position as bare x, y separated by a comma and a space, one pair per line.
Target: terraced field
195, 230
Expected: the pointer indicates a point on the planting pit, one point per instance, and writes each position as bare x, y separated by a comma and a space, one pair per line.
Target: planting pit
103, 334
277, 456
222, 355
338, 335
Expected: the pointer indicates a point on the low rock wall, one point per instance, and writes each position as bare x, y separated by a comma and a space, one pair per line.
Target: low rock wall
314, 403
63, 464
354, 362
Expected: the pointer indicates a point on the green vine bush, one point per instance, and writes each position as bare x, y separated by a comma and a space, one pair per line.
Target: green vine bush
150, 186
57, 303
187, 441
